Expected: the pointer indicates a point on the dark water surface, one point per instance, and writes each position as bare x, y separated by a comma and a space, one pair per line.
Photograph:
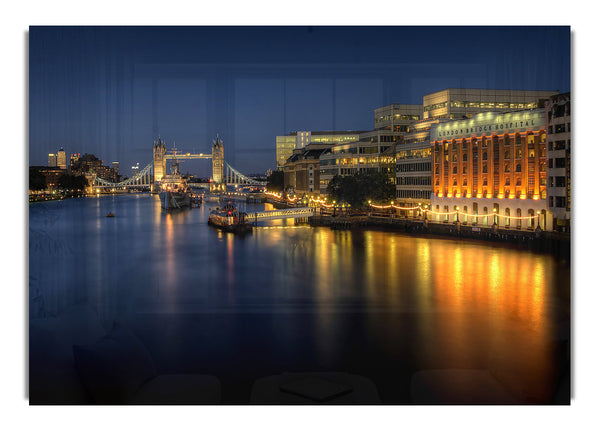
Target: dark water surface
295, 298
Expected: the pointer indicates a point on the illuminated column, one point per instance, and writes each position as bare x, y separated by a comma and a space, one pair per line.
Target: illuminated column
513, 164
441, 169
435, 177
479, 167
459, 170
470, 182
524, 165
536, 146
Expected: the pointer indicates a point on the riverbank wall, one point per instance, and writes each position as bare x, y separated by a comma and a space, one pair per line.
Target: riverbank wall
545, 242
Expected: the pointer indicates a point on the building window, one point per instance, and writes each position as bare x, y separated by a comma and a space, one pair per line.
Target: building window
518, 167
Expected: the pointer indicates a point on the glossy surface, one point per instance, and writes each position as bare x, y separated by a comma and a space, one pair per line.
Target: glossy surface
289, 297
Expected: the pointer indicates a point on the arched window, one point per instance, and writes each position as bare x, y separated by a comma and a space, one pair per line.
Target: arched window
464, 169
506, 168
464, 181
455, 158
507, 182
507, 154
519, 220
484, 155
464, 157
465, 215
454, 170
531, 219
518, 167
485, 216
507, 218
484, 170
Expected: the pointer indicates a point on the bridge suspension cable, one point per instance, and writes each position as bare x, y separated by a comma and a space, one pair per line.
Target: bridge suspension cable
143, 178
235, 177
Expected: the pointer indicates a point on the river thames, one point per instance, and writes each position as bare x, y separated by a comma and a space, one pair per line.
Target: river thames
295, 298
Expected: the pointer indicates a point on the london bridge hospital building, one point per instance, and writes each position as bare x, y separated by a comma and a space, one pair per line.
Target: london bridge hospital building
491, 170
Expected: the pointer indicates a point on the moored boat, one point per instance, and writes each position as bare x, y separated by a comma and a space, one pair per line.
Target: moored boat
174, 192
229, 218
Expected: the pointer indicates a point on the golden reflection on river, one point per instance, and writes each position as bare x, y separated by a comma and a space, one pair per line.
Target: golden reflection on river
477, 306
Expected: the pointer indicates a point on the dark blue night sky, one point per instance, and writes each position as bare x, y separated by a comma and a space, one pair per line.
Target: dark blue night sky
111, 91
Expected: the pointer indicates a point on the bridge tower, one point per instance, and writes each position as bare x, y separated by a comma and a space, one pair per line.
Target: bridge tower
217, 183
160, 162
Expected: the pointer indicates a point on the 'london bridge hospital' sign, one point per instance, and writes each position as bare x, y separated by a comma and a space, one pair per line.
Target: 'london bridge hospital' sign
490, 122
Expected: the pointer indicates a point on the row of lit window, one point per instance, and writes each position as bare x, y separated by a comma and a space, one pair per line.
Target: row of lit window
484, 155
485, 105
502, 139
414, 154
413, 181
530, 181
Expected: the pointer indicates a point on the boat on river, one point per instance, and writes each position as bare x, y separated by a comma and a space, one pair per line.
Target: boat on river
174, 193
230, 219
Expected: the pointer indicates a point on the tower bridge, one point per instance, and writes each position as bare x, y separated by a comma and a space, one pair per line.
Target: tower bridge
223, 174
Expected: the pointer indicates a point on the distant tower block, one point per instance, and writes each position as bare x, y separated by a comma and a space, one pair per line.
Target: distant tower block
160, 162
217, 183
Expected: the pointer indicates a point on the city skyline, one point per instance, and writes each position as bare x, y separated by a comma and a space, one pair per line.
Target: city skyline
111, 91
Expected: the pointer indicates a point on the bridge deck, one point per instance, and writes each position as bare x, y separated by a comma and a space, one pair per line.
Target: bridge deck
281, 214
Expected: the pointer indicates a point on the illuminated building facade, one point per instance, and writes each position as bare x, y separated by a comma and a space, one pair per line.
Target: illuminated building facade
73, 161
457, 103
115, 168
51, 175
61, 159
491, 169
413, 165
285, 145
397, 117
558, 112
284, 148
374, 151
88, 163
52, 160
301, 171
